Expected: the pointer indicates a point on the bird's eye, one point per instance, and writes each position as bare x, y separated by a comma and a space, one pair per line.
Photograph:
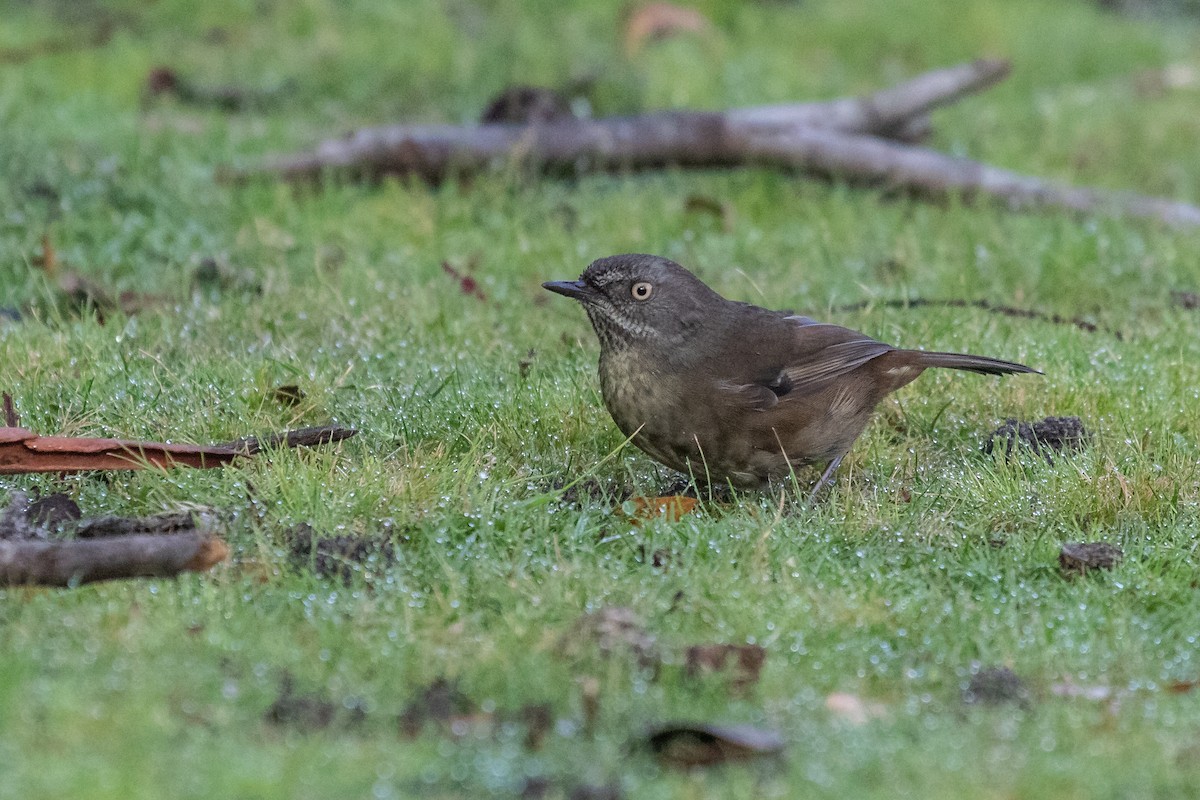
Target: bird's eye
642, 290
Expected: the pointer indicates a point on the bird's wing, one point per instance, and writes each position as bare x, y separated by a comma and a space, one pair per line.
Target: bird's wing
801, 357
825, 352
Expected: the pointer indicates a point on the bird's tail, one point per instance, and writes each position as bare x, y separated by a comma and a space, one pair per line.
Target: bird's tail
980, 364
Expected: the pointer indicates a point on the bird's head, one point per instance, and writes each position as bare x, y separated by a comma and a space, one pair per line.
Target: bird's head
640, 299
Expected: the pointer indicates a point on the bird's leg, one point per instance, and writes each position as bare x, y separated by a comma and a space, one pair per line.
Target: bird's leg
826, 477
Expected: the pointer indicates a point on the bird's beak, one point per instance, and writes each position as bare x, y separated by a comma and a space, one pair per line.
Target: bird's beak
577, 290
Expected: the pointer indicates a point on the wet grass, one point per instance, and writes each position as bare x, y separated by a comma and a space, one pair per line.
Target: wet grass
928, 560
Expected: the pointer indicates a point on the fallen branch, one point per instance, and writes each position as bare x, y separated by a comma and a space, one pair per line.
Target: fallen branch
23, 451
686, 138
845, 139
29, 556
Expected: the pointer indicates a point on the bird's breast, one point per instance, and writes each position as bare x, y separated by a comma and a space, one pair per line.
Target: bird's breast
635, 390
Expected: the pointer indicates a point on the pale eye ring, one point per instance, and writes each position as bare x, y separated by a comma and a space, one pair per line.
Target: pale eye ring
642, 290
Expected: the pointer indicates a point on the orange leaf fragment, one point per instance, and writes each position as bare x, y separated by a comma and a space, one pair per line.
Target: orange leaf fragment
672, 507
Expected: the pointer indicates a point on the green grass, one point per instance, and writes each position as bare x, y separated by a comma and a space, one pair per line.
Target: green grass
892, 590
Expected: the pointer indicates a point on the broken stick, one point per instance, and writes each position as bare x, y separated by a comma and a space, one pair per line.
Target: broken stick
74, 561
31, 555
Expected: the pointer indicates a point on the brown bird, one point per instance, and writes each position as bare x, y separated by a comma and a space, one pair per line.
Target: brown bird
728, 391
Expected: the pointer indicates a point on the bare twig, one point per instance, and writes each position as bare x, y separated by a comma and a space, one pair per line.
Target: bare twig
11, 418
301, 437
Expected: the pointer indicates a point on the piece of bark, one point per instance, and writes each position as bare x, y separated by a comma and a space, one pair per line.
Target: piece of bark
23, 451
685, 138
72, 562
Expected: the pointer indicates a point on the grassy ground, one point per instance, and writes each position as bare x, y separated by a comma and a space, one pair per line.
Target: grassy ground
928, 561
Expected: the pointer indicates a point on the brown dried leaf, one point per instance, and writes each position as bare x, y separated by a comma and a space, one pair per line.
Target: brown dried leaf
654, 21
688, 745
1047, 437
